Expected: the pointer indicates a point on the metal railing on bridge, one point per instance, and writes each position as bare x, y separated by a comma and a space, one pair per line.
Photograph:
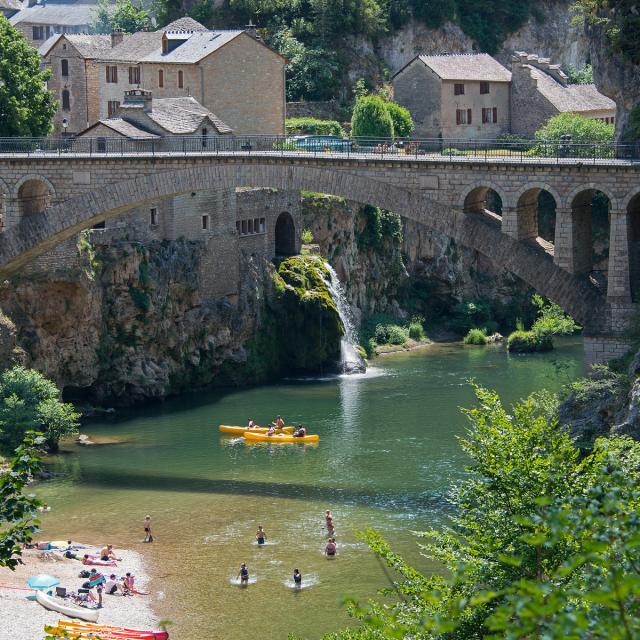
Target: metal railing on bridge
520, 151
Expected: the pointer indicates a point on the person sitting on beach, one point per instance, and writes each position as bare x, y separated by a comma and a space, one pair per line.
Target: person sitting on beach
300, 432
108, 553
244, 573
261, 536
331, 548
111, 586
129, 586
297, 578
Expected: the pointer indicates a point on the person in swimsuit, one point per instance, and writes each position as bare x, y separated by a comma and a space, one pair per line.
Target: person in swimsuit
148, 537
244, 574
331, 548
300, 432
328, 519
297, 578
261, 536
108, 553
272, 429
279, 422
252, 425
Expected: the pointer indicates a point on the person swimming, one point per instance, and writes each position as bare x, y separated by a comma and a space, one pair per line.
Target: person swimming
244, 573
297, 578
261, 536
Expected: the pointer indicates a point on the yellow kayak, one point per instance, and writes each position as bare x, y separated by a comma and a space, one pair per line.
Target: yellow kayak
238, 431
261, 437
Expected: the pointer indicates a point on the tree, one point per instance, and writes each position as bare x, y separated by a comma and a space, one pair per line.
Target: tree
26, 107
17, 510
552, 320
580, 76
29, 402
371, 118
582, 130
544, 543
403, 125
124, 15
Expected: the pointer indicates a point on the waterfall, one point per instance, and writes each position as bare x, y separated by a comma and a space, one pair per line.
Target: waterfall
350, 360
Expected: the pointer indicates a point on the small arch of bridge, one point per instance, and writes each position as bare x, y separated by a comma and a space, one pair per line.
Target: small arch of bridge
590, 187
33, 194
475, 194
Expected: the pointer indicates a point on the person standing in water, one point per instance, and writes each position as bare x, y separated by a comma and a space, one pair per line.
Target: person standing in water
332, 548
243, 574
328, 519
148, 536
261, 536
297, 578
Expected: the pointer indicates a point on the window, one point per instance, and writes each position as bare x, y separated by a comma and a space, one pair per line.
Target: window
64, 67
112, 108
463, 116
180, 80
263, 225
66, 103
489, 115
112, 74
244, 228
484, 87
134, 75
38, 33
458, 89
249, 226
161, 78
205, 222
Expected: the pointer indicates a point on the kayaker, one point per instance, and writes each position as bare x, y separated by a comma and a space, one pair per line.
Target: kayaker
244, 574
331, 548
272, 429
261, 536
279, 423
297, 578
300, 432
252, 425
148, 537
328, 519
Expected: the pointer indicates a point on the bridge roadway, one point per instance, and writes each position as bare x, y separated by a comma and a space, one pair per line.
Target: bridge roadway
50, 196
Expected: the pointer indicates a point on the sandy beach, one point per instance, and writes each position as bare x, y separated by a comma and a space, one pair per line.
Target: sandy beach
23, 619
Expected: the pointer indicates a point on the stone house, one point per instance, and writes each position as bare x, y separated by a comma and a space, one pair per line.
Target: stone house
455, 96
9, 8
231, 73
540, 90
38, 21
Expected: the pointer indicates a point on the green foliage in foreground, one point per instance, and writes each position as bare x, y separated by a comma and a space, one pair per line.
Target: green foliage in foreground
581, 129
30, 402
314, 126
476, 336
543, 543
17, 510
520, 341
26, 106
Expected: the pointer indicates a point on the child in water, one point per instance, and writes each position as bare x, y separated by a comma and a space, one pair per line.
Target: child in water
261, 536
148, 537
297, 578
328, 519
244, 574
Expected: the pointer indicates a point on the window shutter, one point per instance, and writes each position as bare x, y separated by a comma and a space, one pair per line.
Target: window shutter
495, 114
107, 72
468, 116
458, 114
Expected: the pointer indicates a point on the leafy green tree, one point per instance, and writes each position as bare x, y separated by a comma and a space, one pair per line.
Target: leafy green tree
29, 402
371, 118
124, 15
582, 130
403, 125
17, 510
543, 543
580, 76
26, 107
552, 320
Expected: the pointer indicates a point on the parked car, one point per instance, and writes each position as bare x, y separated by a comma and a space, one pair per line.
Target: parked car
322, 143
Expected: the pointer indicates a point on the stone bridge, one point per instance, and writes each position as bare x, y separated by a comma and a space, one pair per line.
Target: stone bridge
46, 199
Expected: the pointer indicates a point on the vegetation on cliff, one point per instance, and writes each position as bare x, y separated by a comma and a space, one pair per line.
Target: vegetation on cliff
543, 542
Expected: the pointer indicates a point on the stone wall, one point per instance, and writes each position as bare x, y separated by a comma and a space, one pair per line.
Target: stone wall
323, 110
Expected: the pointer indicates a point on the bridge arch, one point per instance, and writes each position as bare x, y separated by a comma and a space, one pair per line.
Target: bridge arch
474, 197
33, 193
285, 235
22, 243
535, 208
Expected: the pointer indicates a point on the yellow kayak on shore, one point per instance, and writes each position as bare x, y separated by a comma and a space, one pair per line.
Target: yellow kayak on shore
239, 431
262, 437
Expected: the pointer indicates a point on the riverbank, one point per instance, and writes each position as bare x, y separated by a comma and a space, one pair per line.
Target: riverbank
24, 619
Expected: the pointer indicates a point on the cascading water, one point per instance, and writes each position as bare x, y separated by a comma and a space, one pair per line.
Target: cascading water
350, 360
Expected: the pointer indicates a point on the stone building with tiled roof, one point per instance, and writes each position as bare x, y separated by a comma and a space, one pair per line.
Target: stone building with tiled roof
472, 96
231, 73
9, 8
540, 90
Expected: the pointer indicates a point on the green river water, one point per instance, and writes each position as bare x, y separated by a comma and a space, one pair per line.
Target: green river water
386, 458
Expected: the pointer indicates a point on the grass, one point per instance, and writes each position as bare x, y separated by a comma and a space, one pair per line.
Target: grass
476, 336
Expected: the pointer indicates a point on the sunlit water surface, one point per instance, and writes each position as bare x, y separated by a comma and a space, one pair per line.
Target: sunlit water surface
387, 457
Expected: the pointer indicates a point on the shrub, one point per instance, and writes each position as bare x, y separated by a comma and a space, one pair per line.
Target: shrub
552, 320
403, 125
476, 336
314, 126
583, 131
371, 118
528, 342
416, 331
306, 236
398, 335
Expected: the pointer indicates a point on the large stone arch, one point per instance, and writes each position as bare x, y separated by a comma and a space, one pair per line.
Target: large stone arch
590, 186
41, 232
540, 186
525, 210
480, 187
33, 193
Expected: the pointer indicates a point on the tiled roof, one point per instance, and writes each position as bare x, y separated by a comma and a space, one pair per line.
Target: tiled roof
574, 97
89, 46
181, 116
127, 129
197, 46
63, 14
134, 47
479, 67
10, 5
183, 24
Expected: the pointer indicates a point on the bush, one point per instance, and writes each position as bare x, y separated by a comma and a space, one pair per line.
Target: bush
528, 342
552, 320
314, 126
583, 131
398, 335
306, 236
403, 125
371, 118
476, 336
416, 331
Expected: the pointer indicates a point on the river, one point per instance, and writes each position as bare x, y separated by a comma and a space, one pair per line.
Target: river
386, 458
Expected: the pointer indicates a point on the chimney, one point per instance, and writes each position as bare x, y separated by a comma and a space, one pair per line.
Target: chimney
136, 97
117, 36
252, 30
